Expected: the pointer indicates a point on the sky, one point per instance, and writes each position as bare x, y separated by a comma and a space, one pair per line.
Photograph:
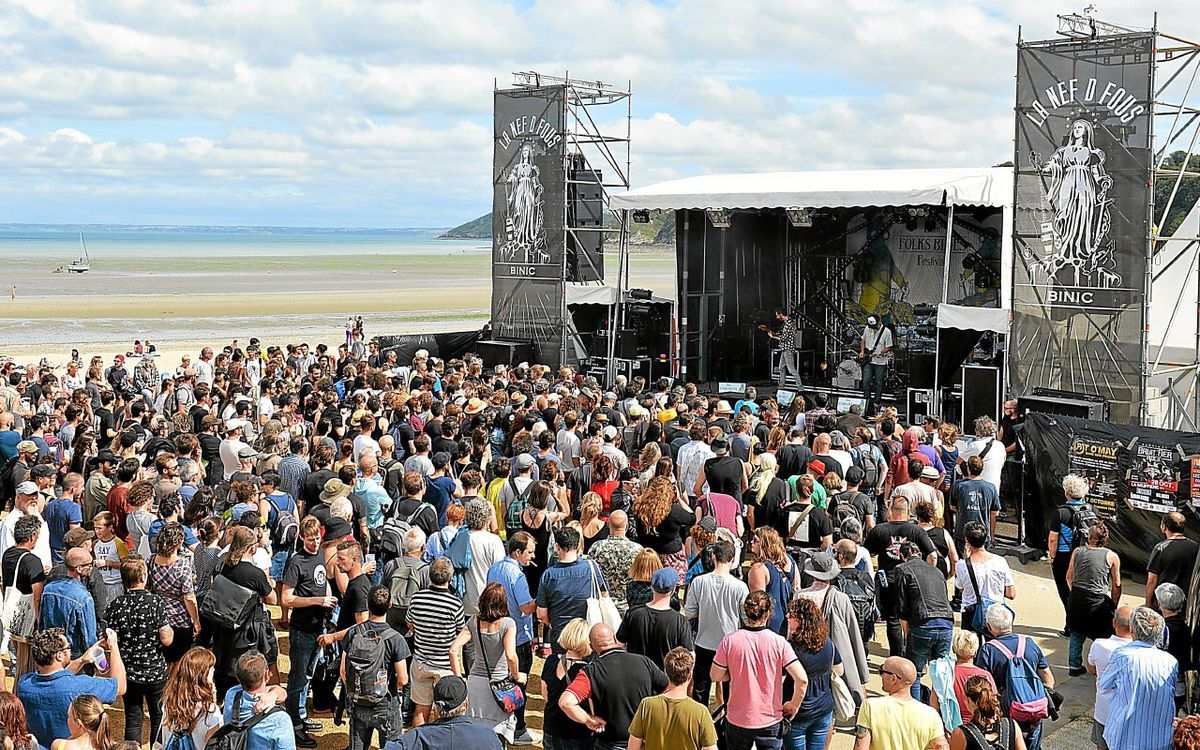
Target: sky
351, 113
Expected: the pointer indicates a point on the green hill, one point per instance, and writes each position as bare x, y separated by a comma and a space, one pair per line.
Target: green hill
660, 230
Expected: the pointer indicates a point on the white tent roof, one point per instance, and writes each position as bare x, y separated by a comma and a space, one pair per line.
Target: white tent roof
987, 186
973, 318
588, 294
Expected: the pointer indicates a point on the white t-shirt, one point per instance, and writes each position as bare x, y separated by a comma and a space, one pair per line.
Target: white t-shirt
993, 576
365, 443
875, 341
844, 458
1099, 656
993, 462
486, 550
41, 547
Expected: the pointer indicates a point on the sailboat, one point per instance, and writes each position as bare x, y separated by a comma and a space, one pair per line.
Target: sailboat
82, 264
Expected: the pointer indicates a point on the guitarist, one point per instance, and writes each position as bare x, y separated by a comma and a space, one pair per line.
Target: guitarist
875, 352
786, 338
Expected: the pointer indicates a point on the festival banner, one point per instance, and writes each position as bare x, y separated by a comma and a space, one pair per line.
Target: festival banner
1099, 462
528, 217
1084, 171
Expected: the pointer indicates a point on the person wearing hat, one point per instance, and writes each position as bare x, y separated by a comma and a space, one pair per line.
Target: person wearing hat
921, 487
611, 448
452, 729
28, 503
655, 629
333, 489
27, 451
722, 417
231, 446
839, 450
98, 485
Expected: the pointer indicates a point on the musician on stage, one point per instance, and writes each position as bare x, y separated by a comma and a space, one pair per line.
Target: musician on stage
786, 336
875, 351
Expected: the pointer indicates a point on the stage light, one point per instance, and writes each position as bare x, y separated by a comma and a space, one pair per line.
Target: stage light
640, 293
641, 216
720, 217
799, 217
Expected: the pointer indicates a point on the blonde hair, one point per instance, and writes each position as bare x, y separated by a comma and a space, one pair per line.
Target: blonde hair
965, 644
590, 506
574, 637
760, 480
89, 713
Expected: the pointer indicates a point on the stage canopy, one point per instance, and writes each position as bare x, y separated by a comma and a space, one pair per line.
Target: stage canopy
972, 318
988, 186
582, 294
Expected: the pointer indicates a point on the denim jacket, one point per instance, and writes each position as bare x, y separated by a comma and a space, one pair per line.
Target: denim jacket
67, 604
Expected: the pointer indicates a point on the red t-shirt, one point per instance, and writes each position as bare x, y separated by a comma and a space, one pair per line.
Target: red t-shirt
118, 507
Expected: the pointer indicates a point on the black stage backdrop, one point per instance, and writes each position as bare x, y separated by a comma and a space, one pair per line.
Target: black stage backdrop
1081, 226
528, 218
443, 345
1137, 474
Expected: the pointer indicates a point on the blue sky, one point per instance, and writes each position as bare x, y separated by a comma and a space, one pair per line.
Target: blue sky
378, 114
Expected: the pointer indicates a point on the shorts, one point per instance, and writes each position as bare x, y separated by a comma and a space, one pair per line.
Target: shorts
1098, 735
278, 562
424, 678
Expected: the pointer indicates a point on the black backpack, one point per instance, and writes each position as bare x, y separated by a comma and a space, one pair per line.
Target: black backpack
8, 488
366, 665
1083, 518
286, 529
861, 592
843, 508
236, 734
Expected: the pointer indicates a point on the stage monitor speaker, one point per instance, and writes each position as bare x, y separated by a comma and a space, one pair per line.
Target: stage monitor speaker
627, 344
920, 370
585, 214
920, 404
980, 395
1068, 407
509, 353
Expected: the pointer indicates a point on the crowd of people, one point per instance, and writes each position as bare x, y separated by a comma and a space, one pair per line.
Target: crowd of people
688, 572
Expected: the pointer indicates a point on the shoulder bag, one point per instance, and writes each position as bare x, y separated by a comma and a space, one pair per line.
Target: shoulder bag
600, 608
507, 691
228, 604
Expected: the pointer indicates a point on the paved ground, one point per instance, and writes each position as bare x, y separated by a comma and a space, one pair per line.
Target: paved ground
1039, 614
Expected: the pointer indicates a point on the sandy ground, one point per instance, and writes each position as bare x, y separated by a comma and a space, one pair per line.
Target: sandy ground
1039, 615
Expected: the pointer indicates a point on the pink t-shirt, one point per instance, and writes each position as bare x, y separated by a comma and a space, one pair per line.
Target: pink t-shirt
725, 508
756, 660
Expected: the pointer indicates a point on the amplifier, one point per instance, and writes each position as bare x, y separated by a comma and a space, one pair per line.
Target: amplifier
1082, 408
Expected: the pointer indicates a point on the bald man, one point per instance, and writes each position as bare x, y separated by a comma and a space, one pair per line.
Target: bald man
612, 685
615, 554
1097, 661
67, 604
896, 721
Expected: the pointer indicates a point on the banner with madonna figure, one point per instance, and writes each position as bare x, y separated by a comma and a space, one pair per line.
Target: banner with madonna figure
1082, 217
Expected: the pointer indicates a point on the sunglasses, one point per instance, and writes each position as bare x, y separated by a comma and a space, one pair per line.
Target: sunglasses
883, 672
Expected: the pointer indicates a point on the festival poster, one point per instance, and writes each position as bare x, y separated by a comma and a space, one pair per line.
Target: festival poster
1099, 462
1081, 222
1194, 473
528, 217
1153, 481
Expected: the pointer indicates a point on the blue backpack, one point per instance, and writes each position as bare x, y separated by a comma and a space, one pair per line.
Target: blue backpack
179, 741
1023, 688
459, 554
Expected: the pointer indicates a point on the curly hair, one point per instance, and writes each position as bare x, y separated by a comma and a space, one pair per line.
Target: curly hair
757, 608
770, 547
811, 627
140, 493
603, 469
590, 506
653, 505
47, 644
169, 539
1187, 734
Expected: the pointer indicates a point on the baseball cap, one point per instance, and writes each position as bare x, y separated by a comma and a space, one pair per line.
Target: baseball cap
235, 424
610, 432
524, 462
636, 411
77, 536
855, 475
709, 524
106, 456
664, 580
27, 488
449, 693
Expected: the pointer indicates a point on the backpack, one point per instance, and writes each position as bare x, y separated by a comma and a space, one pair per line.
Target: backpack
1026, 695
1083, 518
388, 540
459, 553
236, 734
405, 581
286, 529
517, 506
843, 508
393, 476
977, 741
863, 457
862, 597
179, 741
366, 666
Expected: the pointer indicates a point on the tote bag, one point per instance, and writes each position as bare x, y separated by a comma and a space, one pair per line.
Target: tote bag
601, 608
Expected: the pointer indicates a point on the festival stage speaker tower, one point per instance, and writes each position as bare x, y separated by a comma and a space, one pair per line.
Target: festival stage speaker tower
980, 394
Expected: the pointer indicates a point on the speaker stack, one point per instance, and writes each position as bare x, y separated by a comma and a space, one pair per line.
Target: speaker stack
585, 214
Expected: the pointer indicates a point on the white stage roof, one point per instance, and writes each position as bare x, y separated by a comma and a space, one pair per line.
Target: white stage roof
988, 186
972, 318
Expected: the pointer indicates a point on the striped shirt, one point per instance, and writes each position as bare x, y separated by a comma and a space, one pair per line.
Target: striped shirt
436, 617
1140, 715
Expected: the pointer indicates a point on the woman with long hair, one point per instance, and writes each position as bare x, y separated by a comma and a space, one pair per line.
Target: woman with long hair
87, 721
775, 572
553, 477
765, 493
204, 558
637, 589
12, 720
189, 701
171, 576
662, 520
1094, 577
592, 527
808, 632
538, 522
493, 634
700, 536
647, 462
257, 633
988, 729
604, 479
943, 543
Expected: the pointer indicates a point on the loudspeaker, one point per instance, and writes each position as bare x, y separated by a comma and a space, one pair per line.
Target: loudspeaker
585, 215
1068, 407
509, 353
980, 394
920, 370
920, 404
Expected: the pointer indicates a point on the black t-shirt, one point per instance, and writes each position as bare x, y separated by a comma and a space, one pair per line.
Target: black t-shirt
619, 681
884, 541
406, 435
426, 520
249, 575
210, 447
305, 573
354, 600
725, 475
767, 509
654, 632
831, 464
314, 484
723, 423
31, 572
444, 445
667, 538
1171, 559
395, 649
793, 460
808, 532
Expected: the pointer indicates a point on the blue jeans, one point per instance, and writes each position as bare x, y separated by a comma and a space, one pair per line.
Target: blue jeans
1033, 736
872, 380
809, 734
766, 738
925, 645
1075, 650
303, 653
